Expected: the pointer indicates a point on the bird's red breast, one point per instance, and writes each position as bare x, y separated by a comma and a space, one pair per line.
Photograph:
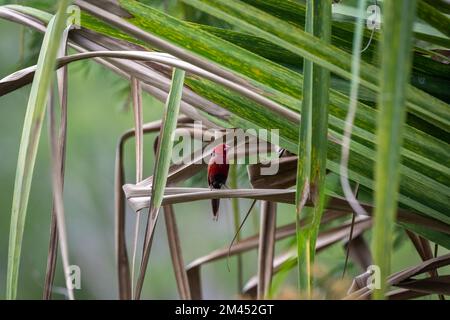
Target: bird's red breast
217, 172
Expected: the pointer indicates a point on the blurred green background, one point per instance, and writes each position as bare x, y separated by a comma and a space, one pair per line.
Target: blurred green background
98, 115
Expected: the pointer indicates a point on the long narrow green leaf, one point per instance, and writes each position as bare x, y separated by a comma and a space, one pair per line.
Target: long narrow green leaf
123, 267
162, 165
336, 60
254, 44
433, 17
304, 165
396, 66
312, 143
319, 124
440, 5
29, 144
342, 33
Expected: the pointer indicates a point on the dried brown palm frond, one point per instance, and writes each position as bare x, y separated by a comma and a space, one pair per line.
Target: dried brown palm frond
196, 161
155, 83
151, 76
266, 248
350, 236
359, 251
285, 177
138, 199
123, 266
121, 249
124, 277
423, 248
235, 208
252, 242
62, 81
325, 239
161, 44
422, 245
404, 294
25, 76
176, 254
433, 285
161, 169
328, 238
359, 289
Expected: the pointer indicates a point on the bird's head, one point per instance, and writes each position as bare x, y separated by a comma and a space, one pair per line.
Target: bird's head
221, 149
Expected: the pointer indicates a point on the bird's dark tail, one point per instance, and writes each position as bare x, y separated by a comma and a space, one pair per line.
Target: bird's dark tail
215, 208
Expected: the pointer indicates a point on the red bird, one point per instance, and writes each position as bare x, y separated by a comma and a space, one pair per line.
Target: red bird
217, 173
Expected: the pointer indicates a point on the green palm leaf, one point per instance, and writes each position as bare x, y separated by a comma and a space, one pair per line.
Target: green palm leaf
30, 142
395, 70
